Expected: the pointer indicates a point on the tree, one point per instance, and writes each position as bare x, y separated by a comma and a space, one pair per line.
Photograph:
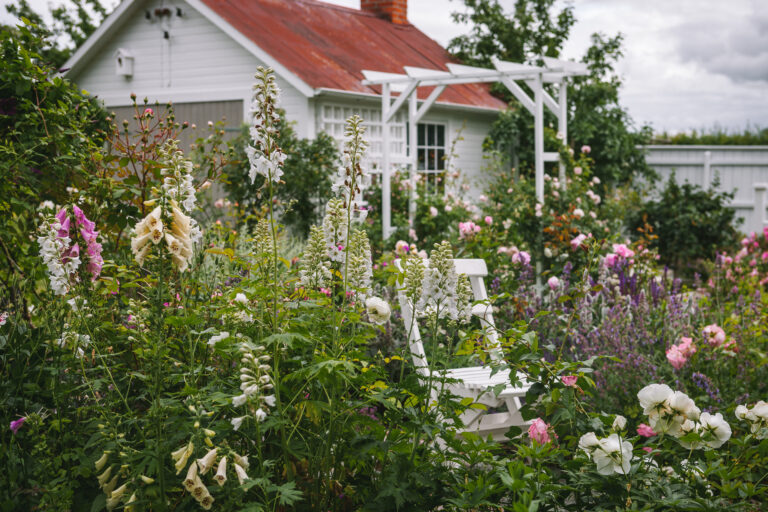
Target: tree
69, 30
535, 28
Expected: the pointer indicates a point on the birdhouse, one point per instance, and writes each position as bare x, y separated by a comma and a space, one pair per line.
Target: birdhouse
123, 63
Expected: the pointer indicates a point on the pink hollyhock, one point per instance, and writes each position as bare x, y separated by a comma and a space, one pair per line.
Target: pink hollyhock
16, 424
538, 431
714, 334
569, 380
645, 431
576, 242
675, 357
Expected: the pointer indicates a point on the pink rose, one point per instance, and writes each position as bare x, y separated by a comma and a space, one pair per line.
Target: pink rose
577, 171
569, 380
576, 242
553, 283
586, 149
538, 431
645, 431
609, 260
488, 220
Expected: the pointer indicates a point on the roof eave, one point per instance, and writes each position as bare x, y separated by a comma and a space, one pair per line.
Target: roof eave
325, 91
81, 56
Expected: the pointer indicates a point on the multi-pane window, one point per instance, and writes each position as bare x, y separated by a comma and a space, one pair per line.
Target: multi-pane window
334, 117
430, 154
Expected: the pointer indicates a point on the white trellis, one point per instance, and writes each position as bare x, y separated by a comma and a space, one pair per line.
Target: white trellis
553, 71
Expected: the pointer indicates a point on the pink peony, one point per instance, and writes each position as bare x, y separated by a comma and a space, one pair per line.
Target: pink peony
538, 431
676, 357
686, 346
569, 380
645, 431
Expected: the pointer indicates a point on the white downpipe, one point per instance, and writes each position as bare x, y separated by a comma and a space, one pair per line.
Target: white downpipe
386, 190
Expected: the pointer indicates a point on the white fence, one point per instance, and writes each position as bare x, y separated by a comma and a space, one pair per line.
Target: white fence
743, 168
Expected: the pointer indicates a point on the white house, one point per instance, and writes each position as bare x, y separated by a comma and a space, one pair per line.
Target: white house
202, 56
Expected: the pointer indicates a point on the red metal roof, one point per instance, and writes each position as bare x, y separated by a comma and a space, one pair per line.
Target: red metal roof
328, 46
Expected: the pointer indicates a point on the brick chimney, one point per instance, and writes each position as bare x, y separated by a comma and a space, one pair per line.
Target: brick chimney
395, 11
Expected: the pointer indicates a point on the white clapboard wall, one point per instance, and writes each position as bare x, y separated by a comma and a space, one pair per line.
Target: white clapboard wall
740, 168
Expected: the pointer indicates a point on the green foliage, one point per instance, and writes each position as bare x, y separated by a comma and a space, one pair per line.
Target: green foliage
49, 131
307, 175
691, 224
715, 136
71, 27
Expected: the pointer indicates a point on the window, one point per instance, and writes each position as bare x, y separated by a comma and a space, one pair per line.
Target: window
430, 154
334, 117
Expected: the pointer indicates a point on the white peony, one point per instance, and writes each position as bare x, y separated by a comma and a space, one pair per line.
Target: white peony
654, 398
378, 310
613, 455
589, 443
715, 431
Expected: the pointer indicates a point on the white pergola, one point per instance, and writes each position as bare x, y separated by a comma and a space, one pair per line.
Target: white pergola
554, 71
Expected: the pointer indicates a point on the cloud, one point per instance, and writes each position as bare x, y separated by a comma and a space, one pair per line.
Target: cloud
734, 46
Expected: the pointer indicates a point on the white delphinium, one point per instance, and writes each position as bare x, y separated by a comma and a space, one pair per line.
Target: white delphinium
315, 268
378, 310
255, 381
265, 156
756, 416
360, 271
464, 299
335, 229
438, 294
350, 180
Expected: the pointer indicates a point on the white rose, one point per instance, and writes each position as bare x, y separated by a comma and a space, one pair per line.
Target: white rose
619, 423
741, 412
241, 298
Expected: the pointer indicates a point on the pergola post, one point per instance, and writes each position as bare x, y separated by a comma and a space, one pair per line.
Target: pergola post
538, 135
562, 122
554, 71
413, 111
386, 184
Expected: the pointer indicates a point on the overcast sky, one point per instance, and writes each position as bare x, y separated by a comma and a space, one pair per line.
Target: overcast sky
688, 64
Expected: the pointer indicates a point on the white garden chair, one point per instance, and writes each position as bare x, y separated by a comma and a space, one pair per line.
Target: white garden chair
476, 382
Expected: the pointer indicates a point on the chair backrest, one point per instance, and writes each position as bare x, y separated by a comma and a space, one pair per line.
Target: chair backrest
475, 270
